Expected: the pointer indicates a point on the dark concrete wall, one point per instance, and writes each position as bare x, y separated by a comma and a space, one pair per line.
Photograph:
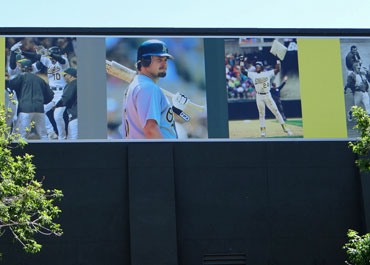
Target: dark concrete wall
281, 202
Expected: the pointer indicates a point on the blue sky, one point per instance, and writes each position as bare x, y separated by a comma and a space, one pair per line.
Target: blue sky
187, 13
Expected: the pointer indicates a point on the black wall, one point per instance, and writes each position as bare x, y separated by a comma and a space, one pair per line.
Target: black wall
280, 202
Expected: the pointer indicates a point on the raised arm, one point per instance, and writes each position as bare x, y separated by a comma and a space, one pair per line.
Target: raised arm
277, 67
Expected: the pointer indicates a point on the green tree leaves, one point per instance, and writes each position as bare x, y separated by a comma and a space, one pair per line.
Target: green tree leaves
358, 248
362, 145
26, 209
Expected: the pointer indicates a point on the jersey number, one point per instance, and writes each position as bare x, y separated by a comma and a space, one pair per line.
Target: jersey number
56, 76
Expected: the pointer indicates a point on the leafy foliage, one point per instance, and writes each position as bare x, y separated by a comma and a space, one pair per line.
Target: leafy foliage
26, 209
362, 145
358, 248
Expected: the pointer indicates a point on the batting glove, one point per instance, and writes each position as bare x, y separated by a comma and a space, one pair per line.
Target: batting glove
41, 50
179, 101
16, 46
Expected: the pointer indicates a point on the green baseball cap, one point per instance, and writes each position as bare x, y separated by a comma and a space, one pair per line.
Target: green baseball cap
25, 63
71, 71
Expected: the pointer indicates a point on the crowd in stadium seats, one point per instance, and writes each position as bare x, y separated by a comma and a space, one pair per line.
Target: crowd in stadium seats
238, 85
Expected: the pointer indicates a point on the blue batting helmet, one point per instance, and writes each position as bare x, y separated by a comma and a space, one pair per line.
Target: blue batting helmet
153, 48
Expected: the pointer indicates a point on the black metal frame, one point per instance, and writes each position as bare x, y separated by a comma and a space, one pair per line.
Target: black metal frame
102, 31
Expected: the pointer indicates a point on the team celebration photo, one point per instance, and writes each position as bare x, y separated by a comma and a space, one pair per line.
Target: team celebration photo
41, 87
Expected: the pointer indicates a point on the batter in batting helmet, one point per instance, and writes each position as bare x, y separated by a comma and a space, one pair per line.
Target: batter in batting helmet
151, 48
55, 50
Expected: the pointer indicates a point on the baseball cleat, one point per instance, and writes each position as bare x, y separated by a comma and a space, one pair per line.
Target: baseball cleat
263, 132
286, 130
289, 132
52, 136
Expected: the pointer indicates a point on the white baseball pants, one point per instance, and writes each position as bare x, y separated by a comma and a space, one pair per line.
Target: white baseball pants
264, 100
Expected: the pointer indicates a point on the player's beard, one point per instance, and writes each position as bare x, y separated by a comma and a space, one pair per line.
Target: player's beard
162, 74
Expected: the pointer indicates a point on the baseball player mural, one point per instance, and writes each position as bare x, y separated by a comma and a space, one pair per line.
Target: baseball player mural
33, 92
69, 100
355, 55
55, 63
262, 81
357, 81
149, 109
48, 62
14, 68
256, 68
147, 112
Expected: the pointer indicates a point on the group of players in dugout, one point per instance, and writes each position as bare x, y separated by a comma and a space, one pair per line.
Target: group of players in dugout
42, 88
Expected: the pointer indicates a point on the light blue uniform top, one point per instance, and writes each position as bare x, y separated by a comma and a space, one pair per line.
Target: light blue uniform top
144, 100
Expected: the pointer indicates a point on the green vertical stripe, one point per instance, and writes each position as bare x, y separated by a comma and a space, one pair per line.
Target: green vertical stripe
2, 70
320, 74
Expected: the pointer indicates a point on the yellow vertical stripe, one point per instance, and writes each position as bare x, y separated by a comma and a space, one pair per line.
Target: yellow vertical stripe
322, 96
2, 70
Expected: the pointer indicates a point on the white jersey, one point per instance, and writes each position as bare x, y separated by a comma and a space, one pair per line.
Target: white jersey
359, 79
262, 80
144, 101
54, 71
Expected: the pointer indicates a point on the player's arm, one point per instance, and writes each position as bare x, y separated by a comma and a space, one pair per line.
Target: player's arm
12, 60
151, 130
34, 57
277, 67
13, 53
58, 58
284, 82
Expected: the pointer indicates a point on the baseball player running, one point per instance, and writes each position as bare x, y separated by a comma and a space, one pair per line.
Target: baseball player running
262, 80
55, 64
33, 92
147, 113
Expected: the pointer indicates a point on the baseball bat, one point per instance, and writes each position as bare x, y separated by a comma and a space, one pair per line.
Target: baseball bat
126, 74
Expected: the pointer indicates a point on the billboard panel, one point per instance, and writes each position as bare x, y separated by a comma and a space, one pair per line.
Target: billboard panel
275, 87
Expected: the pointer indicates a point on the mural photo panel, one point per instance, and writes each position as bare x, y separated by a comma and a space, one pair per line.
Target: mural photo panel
156, 88
262, 83
41, 87
355, 54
